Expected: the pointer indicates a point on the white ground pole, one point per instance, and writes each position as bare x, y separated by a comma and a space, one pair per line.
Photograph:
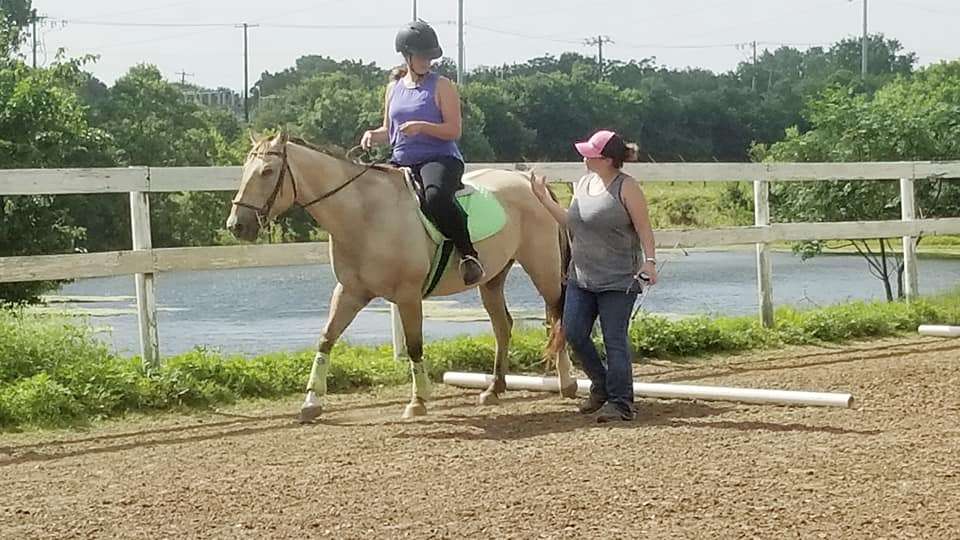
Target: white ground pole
938, 330
663, 391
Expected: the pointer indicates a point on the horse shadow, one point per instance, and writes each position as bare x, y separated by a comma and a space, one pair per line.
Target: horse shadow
509, 427
663, 414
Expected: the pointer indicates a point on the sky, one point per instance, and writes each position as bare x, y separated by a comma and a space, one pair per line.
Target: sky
712, 34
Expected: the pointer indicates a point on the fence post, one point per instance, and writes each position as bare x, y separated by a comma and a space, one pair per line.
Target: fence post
908, 212
399, 339
146, 290
761, 215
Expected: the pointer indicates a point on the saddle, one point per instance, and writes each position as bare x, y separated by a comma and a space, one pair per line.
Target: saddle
485, 218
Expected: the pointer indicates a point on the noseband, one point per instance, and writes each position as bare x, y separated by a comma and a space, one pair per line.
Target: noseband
264, 211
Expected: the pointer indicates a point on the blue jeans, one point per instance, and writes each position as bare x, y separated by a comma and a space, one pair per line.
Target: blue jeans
613, 381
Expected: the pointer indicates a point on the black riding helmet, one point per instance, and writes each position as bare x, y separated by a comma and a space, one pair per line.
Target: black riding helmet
417, 38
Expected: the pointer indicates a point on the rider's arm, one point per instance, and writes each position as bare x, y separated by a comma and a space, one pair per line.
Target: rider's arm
381, 135
449, 101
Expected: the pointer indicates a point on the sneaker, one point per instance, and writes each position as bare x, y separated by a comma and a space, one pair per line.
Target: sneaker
471, 270
610, 413
592, 404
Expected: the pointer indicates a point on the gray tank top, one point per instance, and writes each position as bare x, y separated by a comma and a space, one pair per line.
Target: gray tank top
606, 252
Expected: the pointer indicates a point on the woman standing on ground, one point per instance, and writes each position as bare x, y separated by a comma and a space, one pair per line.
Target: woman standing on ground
612, 250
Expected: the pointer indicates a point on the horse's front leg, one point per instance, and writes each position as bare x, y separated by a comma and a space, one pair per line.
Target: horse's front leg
344, 306
411, 316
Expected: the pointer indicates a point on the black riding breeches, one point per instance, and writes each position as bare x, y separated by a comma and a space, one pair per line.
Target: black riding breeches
441, 180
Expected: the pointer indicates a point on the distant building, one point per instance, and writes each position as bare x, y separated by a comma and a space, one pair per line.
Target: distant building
221, 98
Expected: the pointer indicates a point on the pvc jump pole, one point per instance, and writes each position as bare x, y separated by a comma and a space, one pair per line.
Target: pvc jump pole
663, 391
938, 330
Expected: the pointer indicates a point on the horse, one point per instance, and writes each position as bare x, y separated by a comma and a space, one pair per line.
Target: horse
380, 248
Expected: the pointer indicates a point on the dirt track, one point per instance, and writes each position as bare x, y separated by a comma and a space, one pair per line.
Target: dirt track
531, 468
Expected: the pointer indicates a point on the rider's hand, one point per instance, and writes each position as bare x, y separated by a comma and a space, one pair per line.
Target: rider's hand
366, 141
411, 128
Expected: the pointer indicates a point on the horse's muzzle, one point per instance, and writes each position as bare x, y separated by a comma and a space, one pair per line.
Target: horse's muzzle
242, 224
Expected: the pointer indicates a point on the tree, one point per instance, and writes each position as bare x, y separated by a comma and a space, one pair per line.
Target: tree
509, 138
154, 124
909, 119
43, 123
15, 15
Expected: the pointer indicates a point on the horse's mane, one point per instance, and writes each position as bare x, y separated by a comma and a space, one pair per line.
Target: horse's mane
332, 150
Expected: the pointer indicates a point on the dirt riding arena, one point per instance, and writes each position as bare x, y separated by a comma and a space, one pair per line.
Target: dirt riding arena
531, 468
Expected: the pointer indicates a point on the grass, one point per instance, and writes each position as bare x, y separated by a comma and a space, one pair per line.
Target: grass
54, 374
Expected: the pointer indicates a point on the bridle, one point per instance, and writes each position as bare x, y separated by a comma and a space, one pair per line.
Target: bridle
264, 211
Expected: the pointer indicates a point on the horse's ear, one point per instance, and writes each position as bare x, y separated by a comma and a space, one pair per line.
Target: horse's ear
254, 139
283, 136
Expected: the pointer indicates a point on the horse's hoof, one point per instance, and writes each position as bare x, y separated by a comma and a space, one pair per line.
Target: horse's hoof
414, 409
569, 392
309, 413
489, 398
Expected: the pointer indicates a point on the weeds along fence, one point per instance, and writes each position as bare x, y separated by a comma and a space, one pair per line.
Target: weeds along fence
144, 261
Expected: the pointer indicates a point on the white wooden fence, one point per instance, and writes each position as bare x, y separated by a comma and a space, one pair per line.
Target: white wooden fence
143, 261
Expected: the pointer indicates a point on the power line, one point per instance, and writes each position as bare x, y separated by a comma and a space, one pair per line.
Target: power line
921, 7
692, 46
151, 40
521, 35
144, 25
151, 8
132, 24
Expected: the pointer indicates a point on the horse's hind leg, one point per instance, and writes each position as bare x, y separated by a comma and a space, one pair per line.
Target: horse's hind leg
494, 302
344, 306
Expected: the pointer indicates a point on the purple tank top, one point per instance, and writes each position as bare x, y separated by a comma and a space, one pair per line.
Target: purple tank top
418, 103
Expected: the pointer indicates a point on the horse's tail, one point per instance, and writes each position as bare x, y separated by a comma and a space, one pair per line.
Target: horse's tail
556, 340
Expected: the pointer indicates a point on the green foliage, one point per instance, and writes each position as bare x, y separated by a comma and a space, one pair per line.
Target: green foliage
15, 15
52, 373
42, 124
911, 118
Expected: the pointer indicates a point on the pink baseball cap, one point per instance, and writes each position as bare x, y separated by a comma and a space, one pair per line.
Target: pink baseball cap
593, 147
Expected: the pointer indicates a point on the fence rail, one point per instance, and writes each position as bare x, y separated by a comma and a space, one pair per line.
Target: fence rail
144, 260
167, 179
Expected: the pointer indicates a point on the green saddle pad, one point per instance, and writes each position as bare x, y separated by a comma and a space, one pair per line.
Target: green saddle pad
485, 215
485, 218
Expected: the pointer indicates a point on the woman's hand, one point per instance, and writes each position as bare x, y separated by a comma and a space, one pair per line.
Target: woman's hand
366, 141
648, 273
539, 186
372, 137
411, 128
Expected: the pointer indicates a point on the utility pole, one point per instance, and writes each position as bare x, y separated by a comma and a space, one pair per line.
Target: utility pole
863, 44
33, 34
599, 41
460, 42
753, 84
414, 10
246, 77
183, 77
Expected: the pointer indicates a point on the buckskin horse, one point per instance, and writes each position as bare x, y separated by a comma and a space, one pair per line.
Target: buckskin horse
382, 246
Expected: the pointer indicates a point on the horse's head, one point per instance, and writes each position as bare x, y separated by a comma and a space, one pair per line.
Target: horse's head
267, 188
